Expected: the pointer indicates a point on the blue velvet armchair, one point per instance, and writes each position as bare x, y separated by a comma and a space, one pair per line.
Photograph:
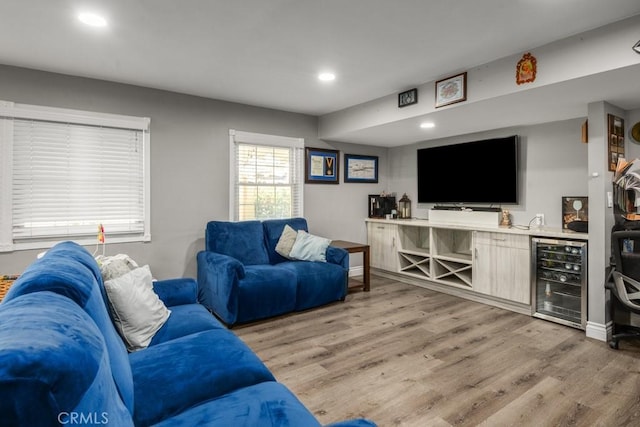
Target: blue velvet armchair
241, 277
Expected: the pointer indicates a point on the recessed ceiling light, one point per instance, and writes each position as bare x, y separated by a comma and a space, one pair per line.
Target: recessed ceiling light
326, 77
427, 125
92, 19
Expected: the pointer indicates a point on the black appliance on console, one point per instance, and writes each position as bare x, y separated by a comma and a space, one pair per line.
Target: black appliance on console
381, 205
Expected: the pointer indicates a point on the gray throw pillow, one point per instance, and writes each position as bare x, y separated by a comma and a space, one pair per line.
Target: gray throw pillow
286, 241
309, 247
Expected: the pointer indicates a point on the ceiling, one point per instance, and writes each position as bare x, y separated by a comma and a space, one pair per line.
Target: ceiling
268, 53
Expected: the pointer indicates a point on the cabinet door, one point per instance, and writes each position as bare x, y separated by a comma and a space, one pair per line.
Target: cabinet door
382, 242
501, 266
484, 268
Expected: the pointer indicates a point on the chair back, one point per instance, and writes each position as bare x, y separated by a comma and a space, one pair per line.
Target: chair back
625, 248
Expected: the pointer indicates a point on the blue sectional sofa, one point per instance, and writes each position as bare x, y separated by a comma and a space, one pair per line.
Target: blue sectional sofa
242, 278
62, 361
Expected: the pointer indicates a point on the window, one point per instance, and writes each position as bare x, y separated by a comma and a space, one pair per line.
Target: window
65, 172
266, 176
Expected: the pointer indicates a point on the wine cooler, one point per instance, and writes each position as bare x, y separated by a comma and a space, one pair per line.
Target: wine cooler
559, 288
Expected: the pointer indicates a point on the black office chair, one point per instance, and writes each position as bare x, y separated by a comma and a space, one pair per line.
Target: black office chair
623, 280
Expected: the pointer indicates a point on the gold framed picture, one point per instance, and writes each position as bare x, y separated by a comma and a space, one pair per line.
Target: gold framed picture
451, 90
615, 145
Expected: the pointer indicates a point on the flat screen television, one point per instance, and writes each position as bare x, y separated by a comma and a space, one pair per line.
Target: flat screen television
483, 171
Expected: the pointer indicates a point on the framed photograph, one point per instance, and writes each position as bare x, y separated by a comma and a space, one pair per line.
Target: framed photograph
321, 166
359, 168
408, 97
451, 90
615, 140
574, 209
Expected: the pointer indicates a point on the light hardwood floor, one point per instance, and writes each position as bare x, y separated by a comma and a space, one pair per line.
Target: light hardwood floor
401, 355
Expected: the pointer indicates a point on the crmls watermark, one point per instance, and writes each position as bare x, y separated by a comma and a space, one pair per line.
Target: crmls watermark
83, 418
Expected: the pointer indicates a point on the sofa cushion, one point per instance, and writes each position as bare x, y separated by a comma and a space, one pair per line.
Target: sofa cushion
185, 320
268, 404
318, 283
53, 362
265, 291
308, 247
136, 309
242, 240
273, 230
286, 241
173, 376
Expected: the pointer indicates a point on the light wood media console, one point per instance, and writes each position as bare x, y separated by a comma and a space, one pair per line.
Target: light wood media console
491, 265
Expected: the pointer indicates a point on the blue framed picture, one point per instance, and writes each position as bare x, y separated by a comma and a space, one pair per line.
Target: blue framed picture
321, 166
358, 168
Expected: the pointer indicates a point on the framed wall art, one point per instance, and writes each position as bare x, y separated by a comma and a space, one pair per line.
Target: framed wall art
574, 209
526, 69
321, 166
408, 97
359, 168
615, 144
451, 90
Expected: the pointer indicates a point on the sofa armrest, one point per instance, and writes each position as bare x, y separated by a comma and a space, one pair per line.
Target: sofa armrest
177, 291
220, 264
338, 256
218, 280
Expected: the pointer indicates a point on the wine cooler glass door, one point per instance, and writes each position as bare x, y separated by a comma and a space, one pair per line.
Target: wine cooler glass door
559, 281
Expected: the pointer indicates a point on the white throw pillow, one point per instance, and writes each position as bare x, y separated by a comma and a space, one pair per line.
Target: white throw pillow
309, 247
137, 310
115, 266
286, 241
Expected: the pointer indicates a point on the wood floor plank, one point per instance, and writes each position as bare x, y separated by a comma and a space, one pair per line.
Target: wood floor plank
402, 355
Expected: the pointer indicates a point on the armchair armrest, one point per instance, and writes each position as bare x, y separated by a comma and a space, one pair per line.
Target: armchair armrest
627, 291
177, 291
338, 256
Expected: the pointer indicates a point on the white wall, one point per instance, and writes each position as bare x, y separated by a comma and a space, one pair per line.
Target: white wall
189, 164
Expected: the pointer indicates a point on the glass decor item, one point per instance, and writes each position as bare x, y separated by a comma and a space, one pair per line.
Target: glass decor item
404, 207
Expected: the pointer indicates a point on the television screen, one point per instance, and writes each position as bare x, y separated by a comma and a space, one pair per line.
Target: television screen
474, 172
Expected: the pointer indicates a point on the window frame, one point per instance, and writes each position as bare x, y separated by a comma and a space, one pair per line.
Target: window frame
10, 111
243, 137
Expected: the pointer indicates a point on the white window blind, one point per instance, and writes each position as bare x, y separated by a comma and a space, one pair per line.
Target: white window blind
67, 178
267, 177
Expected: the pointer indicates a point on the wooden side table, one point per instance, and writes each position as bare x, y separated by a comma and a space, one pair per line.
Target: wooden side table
353, 247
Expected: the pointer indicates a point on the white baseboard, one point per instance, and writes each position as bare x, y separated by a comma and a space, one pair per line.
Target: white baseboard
356, 271
598, 331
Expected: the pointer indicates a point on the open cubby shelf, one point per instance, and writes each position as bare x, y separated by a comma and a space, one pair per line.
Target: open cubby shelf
453, 272
436, 254
415, 264
458, 257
